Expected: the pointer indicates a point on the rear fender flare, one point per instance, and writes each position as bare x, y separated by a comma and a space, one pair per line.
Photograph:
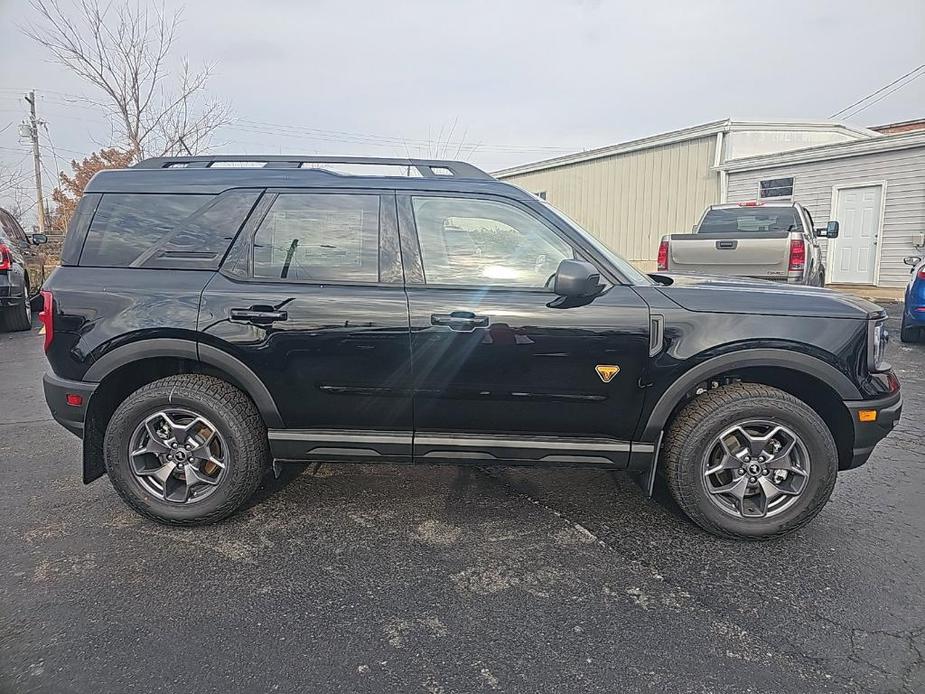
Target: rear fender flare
236, 371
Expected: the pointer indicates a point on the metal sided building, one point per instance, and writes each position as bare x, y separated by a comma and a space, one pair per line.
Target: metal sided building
630, 194
875, 188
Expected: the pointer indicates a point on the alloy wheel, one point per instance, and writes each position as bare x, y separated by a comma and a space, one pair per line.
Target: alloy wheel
756, 469
177, 455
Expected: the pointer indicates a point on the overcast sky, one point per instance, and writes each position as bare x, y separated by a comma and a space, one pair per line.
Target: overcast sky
521, 80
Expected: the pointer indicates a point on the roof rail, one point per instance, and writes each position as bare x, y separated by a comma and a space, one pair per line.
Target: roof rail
428, 168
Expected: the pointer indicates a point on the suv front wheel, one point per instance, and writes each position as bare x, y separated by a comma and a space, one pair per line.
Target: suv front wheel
186, 450
749, 461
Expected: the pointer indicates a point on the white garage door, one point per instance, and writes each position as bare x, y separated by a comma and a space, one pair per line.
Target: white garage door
855, 251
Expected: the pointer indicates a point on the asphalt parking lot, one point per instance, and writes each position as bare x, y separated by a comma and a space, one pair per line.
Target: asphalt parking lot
447, 579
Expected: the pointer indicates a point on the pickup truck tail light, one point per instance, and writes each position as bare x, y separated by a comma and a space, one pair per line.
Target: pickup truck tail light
6, 258
921, 273
797, 254
663, 255
47, 317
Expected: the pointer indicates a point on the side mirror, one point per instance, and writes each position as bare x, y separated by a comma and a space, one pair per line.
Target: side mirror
830, 231
577, 279
912, 260
38, 239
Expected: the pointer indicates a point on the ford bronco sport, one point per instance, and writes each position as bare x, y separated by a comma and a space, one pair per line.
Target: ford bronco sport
211, 318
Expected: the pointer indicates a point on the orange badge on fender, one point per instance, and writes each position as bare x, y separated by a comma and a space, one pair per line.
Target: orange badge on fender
607, 371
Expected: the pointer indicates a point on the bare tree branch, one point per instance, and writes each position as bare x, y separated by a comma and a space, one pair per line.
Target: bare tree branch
122, 47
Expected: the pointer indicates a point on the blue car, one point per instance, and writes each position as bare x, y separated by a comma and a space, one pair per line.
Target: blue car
913, 328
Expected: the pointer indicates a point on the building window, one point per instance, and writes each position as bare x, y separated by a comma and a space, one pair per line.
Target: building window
541, 195
776, 188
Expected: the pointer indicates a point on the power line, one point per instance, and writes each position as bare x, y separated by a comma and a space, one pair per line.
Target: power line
886, 86
883, 96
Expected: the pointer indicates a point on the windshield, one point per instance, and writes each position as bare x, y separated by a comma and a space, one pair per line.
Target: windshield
743, 220
626, 268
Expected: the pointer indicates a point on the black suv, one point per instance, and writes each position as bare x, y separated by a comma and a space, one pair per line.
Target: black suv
16, 285
212, 317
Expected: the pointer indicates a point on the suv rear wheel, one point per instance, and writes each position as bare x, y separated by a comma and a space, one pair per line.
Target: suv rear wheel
750, 461
186, 450
16, 318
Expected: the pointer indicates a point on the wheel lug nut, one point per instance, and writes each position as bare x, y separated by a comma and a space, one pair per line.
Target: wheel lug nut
173, 445
741, 470
753, 479
764, 472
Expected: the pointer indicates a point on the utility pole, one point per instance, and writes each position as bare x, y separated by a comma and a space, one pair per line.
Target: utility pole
36, 159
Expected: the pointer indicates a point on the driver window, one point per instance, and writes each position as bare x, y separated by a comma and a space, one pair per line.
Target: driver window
319, 237
483, 242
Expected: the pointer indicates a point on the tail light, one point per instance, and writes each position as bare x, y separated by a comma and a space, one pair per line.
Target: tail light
921, 273
797, 254
751, 203
663, 255
6, 258
47, 317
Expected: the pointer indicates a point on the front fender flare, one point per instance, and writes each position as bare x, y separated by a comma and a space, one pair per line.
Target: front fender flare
794, 361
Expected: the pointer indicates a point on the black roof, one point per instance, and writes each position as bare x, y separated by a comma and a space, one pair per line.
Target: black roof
213, 174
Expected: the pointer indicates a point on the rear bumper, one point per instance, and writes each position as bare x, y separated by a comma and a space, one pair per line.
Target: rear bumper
71, 417
915, 315
868, 434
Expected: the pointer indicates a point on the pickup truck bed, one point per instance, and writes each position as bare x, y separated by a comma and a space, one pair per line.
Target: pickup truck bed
769, 241
762, 255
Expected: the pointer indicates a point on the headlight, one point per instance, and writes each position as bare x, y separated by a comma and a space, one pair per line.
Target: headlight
876, 345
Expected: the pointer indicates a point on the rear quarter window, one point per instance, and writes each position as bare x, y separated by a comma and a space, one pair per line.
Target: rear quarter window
168, 231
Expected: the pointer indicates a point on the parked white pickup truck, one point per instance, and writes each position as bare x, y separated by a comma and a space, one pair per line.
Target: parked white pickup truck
762, 240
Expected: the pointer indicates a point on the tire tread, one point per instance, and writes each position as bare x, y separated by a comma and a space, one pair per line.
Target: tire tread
252, 438
677, 471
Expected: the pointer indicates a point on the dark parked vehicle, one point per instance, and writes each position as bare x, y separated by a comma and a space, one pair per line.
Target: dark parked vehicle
913, 325
15, 283
208, 319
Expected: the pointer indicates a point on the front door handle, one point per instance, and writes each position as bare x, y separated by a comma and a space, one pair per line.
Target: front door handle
259, 315
462, 321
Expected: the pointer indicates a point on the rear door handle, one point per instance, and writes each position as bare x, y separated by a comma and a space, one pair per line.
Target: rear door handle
462, 321
259, 315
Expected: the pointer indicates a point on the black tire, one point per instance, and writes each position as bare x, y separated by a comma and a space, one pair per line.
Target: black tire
16, 318
229, 409
703, 419
908, 333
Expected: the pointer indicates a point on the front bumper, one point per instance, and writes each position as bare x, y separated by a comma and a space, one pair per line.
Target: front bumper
71, 417
868, 434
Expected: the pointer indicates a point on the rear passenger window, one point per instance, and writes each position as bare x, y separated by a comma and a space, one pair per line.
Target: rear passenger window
319, 237
165, 231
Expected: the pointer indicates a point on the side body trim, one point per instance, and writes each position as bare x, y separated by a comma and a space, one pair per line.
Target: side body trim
403, 446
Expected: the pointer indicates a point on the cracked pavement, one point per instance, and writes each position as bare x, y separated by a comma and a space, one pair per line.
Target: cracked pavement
451, 579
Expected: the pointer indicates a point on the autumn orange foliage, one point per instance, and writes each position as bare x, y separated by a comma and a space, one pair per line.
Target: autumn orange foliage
70, 188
